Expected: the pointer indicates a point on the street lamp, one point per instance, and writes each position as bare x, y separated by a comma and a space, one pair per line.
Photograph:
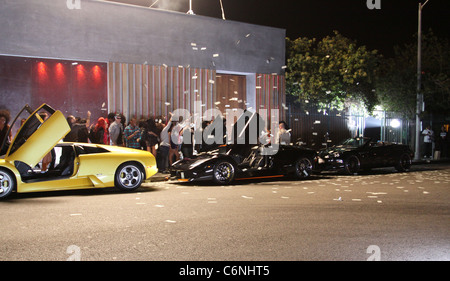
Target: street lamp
419, 105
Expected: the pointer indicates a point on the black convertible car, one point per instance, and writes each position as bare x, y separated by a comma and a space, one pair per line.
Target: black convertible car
356, 154
238, 161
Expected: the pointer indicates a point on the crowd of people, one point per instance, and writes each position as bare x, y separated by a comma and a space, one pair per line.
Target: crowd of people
161, 137
154, 135
145, 134
157, 136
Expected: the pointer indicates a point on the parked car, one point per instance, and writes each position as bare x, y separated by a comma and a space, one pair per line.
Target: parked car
356, 154
237, 161
72, 165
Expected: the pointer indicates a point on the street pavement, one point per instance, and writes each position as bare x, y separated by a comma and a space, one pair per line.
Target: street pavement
379, 215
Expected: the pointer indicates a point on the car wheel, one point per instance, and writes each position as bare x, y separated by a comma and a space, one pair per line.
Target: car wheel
223, 172
404, 163
7, 183
303, 167
129, 177
352, 165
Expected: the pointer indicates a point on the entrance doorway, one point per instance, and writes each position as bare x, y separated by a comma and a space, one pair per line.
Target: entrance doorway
230, 92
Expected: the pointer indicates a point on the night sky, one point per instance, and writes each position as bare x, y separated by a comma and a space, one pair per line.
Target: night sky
394, 24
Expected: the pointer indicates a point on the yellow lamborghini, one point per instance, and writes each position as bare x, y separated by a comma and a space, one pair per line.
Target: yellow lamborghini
71, 165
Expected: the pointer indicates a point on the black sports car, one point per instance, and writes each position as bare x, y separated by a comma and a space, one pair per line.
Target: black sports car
237, 163
356, 154
244, 160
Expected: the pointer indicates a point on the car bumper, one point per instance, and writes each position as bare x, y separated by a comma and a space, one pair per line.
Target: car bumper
190, 176
150, 171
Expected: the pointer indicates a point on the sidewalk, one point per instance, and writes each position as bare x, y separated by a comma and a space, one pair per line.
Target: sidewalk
431, 161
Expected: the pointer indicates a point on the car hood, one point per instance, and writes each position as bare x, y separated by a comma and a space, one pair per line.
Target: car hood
335, 150
37, 137
188, 163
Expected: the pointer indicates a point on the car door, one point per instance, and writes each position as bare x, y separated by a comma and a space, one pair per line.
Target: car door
372, 151
380, 154
36, 137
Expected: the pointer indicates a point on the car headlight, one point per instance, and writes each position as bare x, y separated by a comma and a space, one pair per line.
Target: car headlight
336, 154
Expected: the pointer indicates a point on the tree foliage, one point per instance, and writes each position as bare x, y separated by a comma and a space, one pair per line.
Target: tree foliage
331, 72
397, 82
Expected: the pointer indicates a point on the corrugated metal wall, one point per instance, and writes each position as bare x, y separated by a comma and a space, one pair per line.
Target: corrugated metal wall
145, 91
149, 91
270, 94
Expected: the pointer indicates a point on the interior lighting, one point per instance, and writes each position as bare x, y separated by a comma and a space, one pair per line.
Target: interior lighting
96, 73
42, 72
59, 72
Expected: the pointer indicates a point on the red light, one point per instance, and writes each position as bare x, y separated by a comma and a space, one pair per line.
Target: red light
96, 72
41, 68
59, 72
81, 74
42, 71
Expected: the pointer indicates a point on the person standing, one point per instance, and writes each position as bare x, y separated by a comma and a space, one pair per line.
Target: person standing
283, 136
428, 141
83, 131
164, 146
72, 136
151, 136
443, 141
175, 142
98, 133
132, 134
4, 127
116, 131
76, 127
187, 146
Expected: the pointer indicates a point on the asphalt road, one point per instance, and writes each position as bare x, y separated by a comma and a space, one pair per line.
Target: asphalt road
381, 215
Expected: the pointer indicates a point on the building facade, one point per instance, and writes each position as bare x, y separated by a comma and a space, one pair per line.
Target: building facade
110, 57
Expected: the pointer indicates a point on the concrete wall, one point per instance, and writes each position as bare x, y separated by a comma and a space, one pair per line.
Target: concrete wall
111, 32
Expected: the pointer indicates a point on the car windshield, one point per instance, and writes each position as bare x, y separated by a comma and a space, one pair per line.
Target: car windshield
355, 142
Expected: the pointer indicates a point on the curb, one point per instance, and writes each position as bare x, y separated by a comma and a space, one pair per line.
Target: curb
431, 161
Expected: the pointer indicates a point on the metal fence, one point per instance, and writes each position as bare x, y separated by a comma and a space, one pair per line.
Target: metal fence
318, 129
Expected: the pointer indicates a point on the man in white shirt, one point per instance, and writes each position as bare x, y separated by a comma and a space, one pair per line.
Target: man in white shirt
164, 146
428, 138
283, 136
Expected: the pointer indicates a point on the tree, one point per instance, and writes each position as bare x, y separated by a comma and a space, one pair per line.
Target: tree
397, 81
331, 72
